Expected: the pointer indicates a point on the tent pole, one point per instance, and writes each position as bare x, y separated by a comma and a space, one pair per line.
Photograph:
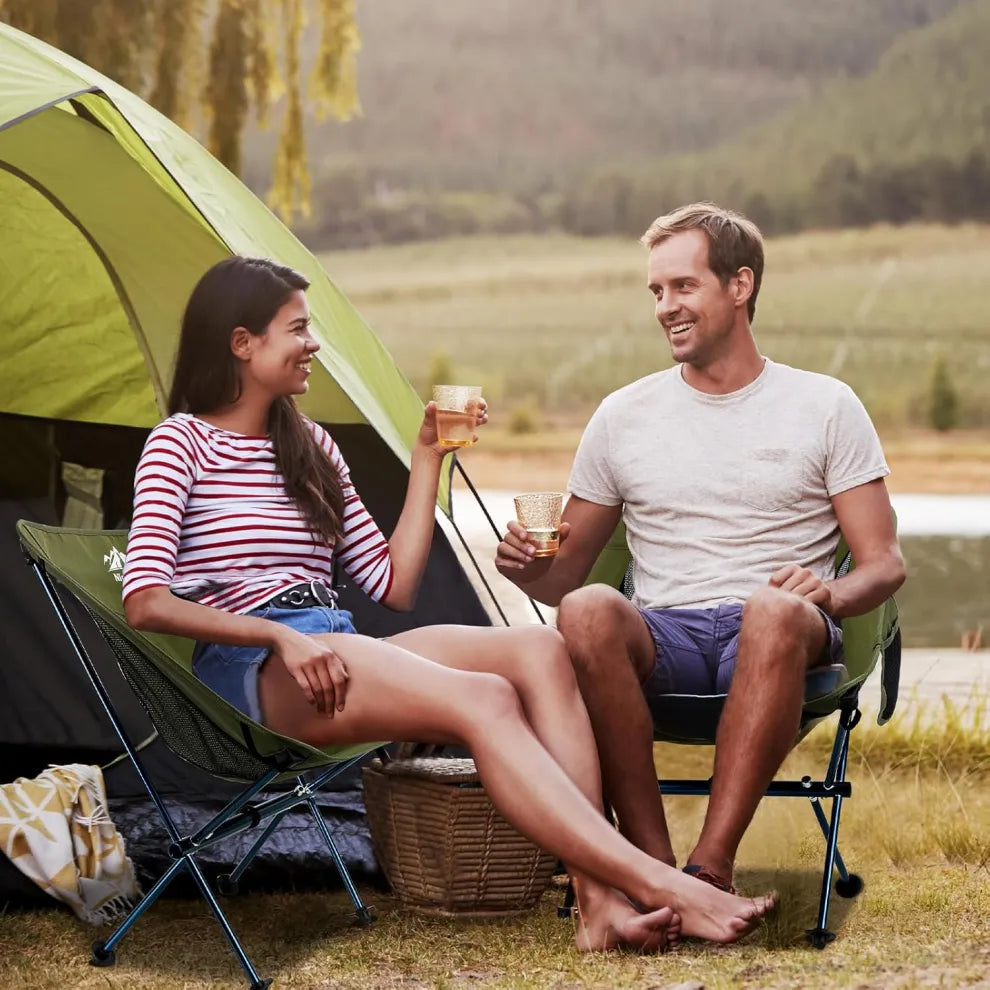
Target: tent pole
498, 536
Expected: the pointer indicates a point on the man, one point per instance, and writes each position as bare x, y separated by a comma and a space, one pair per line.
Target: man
734, 476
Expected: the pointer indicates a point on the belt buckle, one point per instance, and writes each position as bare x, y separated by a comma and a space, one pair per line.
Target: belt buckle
295, 597
322, 595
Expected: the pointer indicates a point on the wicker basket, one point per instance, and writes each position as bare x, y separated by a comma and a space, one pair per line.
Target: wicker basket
443, 847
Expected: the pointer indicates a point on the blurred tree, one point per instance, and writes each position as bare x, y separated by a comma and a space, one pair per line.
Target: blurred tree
213, 60
943, 403
441, 373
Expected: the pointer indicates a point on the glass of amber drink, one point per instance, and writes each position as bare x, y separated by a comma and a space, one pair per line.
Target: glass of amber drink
457, 414
539, 514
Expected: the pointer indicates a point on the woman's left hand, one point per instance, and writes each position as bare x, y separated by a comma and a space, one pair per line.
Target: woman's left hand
428, 436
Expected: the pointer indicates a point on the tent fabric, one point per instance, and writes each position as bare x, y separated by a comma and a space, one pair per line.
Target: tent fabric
157, 209
110, 214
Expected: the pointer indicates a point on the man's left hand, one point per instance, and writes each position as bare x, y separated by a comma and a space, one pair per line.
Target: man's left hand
803, 582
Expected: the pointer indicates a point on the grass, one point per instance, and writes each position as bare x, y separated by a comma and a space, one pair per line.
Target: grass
917, 828
562, 320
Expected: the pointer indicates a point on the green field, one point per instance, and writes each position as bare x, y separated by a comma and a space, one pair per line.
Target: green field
560, 321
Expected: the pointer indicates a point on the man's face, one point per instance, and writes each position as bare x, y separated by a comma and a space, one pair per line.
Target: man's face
696, 311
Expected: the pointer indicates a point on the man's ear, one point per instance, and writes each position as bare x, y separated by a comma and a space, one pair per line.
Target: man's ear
240, 343
744, 285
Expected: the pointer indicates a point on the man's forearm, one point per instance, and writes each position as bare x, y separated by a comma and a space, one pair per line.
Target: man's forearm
867, 585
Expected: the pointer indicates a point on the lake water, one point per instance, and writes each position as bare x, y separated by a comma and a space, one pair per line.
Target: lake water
917, 515
945, 539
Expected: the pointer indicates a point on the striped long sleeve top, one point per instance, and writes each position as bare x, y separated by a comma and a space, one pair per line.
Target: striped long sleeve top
213, 522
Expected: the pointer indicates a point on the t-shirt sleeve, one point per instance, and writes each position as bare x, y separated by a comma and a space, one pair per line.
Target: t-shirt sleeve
591, 475
853, 455
363, 549
164, 476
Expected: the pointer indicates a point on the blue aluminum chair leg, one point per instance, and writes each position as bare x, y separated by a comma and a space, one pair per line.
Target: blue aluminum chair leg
567, 908
227, 883
363, 913
820, 936
103, 948
257, 983
816, 806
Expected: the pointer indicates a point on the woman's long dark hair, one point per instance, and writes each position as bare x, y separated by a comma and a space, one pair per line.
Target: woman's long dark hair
248, 292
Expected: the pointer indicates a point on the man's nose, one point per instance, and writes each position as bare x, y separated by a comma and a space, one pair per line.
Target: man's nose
666, 307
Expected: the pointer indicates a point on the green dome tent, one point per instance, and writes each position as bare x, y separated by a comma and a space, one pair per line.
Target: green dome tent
110, 213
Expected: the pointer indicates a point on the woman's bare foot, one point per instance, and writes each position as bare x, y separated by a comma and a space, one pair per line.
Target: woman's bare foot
608, 921
707, 912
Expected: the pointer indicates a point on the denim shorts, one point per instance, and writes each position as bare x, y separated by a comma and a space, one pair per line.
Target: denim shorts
232, 671
696, 648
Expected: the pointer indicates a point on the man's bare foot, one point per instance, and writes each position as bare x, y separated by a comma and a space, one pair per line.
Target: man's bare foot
707, 912
609, 921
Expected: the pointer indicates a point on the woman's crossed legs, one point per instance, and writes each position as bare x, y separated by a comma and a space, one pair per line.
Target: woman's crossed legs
531, 741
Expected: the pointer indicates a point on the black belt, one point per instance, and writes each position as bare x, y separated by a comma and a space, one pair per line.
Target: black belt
309, 594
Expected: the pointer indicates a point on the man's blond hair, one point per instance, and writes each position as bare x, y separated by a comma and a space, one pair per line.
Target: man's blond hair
734, 241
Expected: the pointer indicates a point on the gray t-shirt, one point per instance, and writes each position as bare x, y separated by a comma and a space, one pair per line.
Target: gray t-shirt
720, 491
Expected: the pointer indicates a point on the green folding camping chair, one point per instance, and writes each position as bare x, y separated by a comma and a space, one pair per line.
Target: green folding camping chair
194, 722
693, 719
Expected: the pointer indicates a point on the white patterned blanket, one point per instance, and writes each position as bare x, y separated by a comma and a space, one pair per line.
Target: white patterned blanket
56, 829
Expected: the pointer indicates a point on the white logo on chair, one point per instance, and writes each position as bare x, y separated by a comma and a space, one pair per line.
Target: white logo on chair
115, 562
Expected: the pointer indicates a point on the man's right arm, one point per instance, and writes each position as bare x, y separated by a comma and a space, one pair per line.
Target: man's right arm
584, 530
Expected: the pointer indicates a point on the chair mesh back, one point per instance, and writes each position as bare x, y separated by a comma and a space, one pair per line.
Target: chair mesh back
628, 587
185, 730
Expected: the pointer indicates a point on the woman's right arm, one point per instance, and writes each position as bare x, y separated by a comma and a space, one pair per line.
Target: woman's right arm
156, 609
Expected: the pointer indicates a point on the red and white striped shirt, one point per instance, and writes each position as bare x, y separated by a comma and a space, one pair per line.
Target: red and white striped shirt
213, 522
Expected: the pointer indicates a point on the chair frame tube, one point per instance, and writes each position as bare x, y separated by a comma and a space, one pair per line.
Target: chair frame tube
235, 817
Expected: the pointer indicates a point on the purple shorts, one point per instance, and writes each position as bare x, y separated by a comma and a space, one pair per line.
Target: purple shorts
696, 648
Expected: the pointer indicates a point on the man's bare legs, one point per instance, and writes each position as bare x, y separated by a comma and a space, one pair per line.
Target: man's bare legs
535, 661
613, 653
781, 637
393, 693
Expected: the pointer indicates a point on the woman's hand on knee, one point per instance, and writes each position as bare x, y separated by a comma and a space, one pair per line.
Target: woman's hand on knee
319, 672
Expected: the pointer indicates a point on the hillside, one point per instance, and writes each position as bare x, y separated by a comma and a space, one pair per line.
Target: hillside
915, 130
513, 94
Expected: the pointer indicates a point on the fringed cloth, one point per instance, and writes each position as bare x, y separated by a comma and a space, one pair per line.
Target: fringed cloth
56, 829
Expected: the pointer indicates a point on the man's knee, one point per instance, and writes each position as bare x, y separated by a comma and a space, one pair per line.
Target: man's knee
780, 619
590, 614
599, 626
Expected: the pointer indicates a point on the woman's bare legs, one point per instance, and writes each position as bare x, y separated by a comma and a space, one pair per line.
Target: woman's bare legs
535, 661
396, 694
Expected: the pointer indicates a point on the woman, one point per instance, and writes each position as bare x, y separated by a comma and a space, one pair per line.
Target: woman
240, 502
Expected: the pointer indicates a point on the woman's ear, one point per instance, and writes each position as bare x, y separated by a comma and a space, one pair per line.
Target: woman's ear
240, 343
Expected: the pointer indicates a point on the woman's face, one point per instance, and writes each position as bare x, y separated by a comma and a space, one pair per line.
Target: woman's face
279, 361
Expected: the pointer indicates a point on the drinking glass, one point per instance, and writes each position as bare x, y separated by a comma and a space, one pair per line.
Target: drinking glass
539, 514
457, 414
